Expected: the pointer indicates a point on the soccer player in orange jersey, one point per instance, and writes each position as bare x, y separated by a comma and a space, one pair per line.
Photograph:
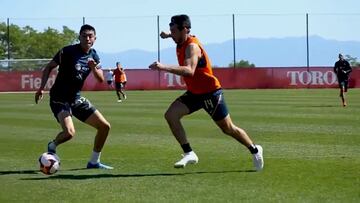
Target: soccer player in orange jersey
120, 81
203, 92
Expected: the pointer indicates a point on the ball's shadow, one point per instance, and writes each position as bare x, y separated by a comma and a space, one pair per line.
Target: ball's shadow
19, 172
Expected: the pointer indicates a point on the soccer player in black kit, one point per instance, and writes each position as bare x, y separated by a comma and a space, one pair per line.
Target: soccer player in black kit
342, 69
75, 63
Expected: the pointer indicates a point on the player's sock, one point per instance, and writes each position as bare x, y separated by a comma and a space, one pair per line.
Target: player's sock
95, 157
52, 147
252, 148
186, 148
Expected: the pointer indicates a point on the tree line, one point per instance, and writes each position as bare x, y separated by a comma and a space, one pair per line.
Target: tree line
27, 43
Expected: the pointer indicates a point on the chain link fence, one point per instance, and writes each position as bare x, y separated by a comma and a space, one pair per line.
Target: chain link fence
267, 40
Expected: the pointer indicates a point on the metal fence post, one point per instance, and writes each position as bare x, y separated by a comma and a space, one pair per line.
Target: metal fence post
8, 39
234, 46
158, 36
307, 42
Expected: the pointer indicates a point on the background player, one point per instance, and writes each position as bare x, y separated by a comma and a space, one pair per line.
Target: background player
110, 78
342, 69
120, 81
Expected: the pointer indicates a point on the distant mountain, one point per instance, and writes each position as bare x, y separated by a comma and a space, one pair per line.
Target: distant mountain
268, 52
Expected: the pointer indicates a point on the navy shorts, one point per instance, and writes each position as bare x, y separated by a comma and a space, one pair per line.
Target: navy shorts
213, 103
81, 108
344, 84
120, 85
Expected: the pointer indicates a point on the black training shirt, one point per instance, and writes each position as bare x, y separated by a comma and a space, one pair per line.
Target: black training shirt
72, 72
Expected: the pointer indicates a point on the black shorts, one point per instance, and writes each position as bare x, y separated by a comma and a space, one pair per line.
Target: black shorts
119, 85
344, 84
213, 103
81, 108
109, 82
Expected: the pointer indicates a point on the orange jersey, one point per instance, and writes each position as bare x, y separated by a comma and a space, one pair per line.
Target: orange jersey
120, 75
203, 81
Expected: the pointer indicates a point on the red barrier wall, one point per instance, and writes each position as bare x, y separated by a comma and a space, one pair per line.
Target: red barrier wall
230, 78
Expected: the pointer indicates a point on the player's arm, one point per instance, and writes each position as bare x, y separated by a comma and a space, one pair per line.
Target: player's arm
45, 76
125, 78
348, 68
335, 68
96, 70
192, 55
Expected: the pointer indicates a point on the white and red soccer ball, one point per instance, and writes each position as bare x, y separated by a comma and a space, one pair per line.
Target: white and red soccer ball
49, 163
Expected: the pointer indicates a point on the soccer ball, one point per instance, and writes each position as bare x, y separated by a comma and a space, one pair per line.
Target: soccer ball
49, 163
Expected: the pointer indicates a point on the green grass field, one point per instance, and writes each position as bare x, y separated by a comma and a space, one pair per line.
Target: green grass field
311, 150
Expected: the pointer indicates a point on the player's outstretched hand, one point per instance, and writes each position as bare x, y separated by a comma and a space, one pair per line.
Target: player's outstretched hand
155, 66
164, 35
38, 96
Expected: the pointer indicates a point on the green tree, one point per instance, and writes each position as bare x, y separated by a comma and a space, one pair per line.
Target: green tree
28, 43
352, 60
242, 64
3, 41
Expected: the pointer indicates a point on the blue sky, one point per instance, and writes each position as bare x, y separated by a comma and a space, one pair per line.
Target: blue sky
76, 8
131, 24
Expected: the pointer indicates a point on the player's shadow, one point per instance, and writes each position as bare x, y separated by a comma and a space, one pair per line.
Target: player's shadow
317, 106
19, 172
134, 175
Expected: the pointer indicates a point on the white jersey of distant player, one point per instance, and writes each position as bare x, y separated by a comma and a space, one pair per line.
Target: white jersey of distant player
109, 75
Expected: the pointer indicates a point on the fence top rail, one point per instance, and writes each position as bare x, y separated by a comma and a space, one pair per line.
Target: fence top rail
17, 60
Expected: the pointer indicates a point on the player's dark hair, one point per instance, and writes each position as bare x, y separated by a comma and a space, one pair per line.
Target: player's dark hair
87, 27
182, 21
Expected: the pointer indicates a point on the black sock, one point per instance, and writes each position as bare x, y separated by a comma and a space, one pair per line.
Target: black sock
186, 148
253, 149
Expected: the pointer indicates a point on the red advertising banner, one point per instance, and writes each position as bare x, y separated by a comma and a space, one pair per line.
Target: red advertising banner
230, 78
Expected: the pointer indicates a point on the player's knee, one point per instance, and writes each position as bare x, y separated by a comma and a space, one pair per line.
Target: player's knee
170, 115
105, 126
167, 115
227, 130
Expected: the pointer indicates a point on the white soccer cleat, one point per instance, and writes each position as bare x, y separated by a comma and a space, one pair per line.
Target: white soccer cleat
258, 159
188, 158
